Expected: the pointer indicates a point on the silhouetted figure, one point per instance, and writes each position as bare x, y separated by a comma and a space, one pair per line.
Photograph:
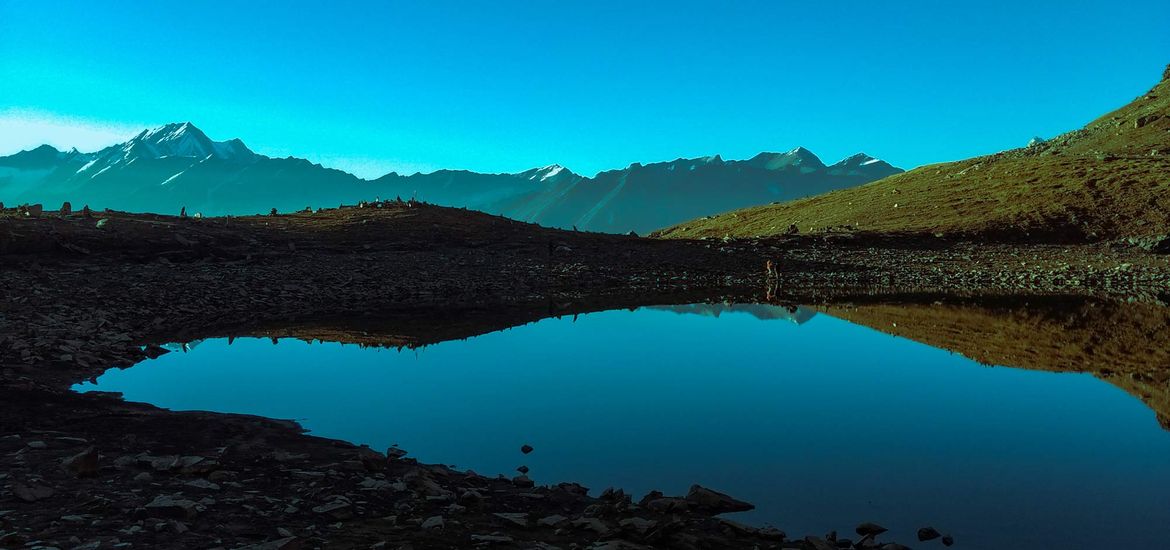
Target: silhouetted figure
66, 208
183, 212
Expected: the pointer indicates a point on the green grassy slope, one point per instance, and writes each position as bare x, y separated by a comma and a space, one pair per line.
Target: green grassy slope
1108, 180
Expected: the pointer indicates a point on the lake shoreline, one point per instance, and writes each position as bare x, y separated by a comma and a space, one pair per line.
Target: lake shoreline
92, 298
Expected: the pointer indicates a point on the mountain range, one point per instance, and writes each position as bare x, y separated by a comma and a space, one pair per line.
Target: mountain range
177, 166
1105, 181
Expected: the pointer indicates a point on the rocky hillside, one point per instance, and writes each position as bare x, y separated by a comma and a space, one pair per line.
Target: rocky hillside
1108, 180
177, 166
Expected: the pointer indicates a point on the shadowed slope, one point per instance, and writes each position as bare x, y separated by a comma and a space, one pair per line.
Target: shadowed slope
1127, 345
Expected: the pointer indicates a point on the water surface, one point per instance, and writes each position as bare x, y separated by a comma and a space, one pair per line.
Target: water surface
818, 422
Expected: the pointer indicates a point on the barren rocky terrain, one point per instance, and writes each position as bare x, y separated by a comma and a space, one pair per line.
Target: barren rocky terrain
86, 292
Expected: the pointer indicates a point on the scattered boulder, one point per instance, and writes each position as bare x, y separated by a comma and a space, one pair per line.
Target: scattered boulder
66, 208
928, 533
371, 460
32, 492
338, 508
870, 528
433, 522
526, 448
173, 507
638, 525
394, 453
714, 502
83, 464
523, 481
552, 521
522, 469
948, 540
515, 518
34, 210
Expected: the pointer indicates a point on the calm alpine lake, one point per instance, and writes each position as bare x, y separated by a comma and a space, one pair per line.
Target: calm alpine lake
818, 422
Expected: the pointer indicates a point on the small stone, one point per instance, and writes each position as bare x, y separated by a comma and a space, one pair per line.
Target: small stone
552, 521
339, 509
526, 449
519, 519
168, 506
870, 528
38, 445
948, 540
638, 525
433, 522
715, 502
202, 484
394, 453
522, 469
928, 533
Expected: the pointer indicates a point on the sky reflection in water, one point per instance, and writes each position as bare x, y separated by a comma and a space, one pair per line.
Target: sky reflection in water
821, 424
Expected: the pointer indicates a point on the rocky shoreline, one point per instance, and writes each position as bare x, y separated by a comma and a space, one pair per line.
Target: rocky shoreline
81, 296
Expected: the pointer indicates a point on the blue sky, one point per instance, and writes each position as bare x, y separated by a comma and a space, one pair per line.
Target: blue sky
491, 86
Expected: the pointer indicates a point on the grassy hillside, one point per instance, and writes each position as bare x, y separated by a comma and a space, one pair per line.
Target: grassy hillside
1108, 180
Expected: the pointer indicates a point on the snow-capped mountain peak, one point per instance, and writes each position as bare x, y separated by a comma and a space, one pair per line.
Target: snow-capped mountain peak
182, 139
800, 158
863, 164
546, 173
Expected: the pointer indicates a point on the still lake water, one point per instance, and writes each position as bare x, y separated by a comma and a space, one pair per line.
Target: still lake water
818, 422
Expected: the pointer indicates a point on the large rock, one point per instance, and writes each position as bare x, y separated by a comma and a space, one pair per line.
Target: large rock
714, 502
83, 464
870, 528
928, 533
31, 493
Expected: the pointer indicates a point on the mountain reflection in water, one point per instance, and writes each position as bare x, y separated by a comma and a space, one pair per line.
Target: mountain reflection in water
819, 422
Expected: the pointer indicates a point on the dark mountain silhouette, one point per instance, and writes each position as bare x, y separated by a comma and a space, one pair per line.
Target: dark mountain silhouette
177, 165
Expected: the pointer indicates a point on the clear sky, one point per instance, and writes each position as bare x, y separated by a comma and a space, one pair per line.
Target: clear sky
505, 86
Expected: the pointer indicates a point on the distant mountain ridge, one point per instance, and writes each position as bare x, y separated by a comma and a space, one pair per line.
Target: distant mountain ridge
1105, 181
177, 165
